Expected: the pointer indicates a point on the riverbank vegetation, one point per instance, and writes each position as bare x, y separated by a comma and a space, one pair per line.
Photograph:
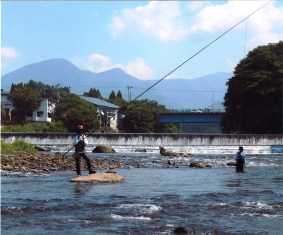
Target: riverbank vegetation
253, 101
55, 126
18, 147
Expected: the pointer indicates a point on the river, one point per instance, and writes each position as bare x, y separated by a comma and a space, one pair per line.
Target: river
154, 198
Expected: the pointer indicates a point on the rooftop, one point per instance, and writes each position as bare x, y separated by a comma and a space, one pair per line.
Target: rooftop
99, 102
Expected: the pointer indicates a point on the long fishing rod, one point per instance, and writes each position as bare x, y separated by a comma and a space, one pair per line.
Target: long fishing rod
213, 41
172, 71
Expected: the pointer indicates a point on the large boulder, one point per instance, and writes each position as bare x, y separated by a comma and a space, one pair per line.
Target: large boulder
99, 178
103, 149
231, 163
164, 152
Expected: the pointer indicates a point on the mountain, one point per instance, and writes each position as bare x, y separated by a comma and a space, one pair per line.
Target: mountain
174, 94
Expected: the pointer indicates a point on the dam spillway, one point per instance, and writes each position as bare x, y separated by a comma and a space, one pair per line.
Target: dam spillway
193, 143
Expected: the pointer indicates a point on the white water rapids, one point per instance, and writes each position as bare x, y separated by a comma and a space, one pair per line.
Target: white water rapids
132, 142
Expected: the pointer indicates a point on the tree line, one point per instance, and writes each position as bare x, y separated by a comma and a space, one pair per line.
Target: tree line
253, 101
71, 109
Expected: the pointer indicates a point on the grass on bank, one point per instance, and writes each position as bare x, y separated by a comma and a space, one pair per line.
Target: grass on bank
18, 147
55, 126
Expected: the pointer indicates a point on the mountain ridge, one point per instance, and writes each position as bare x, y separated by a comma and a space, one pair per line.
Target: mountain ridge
173, 93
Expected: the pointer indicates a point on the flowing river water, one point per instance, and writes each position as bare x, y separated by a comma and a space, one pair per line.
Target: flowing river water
154, 198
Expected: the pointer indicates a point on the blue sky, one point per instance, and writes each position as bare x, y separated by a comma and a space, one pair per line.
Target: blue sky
146, 39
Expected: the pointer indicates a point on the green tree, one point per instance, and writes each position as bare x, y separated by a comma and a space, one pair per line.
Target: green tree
141, 117
98, 95
73, 110
117, 100
25, 99
93, 93
119, 94
253, 101
3, 113
46, 91
112, 96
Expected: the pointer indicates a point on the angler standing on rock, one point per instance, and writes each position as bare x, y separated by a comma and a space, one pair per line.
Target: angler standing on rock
80, 141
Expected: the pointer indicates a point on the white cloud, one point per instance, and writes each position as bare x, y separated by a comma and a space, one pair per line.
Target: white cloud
160, 19
139, 69
99, 63
217, 17
266, 26
196, 5
8, 53
263, 27
263, 39
177, 20
167, 20
231, 64
117, 25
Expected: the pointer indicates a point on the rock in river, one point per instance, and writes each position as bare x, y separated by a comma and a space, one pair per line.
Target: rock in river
103, 149
99, 178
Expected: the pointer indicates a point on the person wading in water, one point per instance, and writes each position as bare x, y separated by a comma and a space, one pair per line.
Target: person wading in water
240, 160
80, 141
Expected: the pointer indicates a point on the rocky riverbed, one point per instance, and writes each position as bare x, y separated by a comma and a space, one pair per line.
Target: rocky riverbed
44, 163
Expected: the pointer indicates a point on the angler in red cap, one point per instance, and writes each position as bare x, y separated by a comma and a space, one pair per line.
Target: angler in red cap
80, 141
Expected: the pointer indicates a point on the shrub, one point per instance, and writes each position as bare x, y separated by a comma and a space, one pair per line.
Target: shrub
35, 127
19, 146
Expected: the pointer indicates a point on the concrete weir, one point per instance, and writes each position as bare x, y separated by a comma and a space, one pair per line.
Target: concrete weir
129, 142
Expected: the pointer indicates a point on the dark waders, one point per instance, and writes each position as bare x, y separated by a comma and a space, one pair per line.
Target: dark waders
240, 163
78, 156
239, 167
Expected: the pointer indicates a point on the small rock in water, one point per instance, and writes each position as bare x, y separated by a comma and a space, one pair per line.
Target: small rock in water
232, 163
199, 165
180, 230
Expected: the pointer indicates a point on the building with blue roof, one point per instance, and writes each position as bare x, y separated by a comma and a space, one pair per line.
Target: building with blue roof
108, 113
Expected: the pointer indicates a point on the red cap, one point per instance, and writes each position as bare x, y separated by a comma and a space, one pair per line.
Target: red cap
80, 127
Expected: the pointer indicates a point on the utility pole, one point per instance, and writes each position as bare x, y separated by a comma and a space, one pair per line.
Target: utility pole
129, 93
58, 94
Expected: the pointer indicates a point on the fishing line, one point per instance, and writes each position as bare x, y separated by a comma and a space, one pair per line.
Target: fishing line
179, 66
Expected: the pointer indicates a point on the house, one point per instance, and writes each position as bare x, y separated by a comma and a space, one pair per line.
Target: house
43, 114
108, 113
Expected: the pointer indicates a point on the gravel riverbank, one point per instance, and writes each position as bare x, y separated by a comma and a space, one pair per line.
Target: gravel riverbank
44, 163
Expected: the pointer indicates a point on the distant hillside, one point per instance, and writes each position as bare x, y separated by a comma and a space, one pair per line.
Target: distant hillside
174, 94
